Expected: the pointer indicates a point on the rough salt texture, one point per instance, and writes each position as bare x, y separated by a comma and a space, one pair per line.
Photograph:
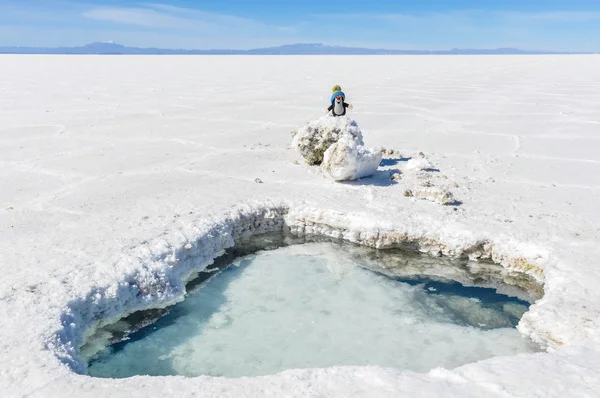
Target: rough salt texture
348, 160
314, 138
433, 194
422, 181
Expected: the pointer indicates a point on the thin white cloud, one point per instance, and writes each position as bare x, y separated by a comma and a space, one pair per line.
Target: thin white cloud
31, 12
138, 17
468, 16
417, 22
233, 31
553, 16
477, 28
391, 17
154, 15
195, 14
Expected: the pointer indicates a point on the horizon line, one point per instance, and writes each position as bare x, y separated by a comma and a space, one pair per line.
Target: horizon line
300, 48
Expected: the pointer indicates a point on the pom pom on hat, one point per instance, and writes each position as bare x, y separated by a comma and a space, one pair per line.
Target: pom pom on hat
336, 88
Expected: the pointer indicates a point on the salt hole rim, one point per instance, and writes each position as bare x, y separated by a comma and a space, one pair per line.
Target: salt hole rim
160, 278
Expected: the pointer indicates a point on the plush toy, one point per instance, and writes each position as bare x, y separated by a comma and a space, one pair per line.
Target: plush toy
338, 105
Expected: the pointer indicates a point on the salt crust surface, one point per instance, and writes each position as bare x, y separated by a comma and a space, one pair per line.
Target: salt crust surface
120, 179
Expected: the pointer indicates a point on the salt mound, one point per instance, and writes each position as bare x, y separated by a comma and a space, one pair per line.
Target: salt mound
336, 143
433, 194
423, 185
313, 139
347, 160
420, 163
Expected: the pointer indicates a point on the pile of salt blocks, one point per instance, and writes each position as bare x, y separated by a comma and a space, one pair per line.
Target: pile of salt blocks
336, 145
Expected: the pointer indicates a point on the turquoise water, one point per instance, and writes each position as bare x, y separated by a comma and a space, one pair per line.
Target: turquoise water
309, 306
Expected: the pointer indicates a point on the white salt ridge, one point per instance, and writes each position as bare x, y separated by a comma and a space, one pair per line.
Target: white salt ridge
116, 173
311, 307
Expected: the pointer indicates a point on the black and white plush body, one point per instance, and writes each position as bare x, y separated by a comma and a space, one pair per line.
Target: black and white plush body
338, 108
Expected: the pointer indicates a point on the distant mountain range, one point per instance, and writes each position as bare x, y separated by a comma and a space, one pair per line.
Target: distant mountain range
289, 49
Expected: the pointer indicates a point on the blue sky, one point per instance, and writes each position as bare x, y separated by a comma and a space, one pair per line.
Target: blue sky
572, 25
